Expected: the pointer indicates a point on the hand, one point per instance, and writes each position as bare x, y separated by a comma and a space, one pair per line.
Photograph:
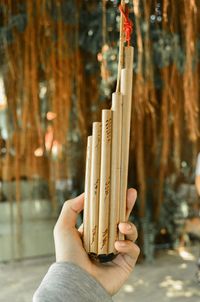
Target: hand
69, 246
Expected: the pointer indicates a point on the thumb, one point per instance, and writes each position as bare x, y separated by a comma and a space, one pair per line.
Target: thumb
130, 201
70, 211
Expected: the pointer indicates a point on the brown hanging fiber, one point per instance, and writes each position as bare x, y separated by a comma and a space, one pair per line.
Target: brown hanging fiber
41, 58
190, 76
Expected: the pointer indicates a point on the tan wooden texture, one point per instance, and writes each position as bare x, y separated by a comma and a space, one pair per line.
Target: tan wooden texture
86, 215
95, 186
104, 199
115, 169
126, 90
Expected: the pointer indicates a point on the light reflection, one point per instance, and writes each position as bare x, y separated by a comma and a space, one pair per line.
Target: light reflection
3, 100
186, 255
38, 152
37, 205
51, 115
183, 266
171, 252
178, 288
128, 288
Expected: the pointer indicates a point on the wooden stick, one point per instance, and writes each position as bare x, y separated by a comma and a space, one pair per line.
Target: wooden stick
115, 169
126, 90
129, 66
104, 199
86, 216
95, 186
121, 48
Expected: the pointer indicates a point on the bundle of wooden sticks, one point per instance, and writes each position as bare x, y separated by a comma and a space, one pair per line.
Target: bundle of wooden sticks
107, 164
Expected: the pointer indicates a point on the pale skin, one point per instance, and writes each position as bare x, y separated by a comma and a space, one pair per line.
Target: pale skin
69, 246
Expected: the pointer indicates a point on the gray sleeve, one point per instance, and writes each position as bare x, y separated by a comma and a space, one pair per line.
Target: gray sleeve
66, 282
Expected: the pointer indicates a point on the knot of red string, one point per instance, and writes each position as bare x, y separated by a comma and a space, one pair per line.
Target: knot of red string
128, 25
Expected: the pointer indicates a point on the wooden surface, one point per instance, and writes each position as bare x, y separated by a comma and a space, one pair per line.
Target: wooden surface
115, 169
95, 186
104, 200
86, 216
126, 90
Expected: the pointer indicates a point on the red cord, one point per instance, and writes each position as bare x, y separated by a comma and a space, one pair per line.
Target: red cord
128, 25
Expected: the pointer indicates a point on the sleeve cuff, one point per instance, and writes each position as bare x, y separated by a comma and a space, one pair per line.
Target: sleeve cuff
66, 281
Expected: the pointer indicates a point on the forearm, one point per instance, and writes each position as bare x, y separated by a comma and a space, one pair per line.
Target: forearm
68, 282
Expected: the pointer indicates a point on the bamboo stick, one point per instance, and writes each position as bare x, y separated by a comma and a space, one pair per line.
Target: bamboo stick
95, 186
121, 48
104, 199
115, 168
126, 90
86, 216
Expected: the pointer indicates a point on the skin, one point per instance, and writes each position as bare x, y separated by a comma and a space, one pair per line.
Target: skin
69, 246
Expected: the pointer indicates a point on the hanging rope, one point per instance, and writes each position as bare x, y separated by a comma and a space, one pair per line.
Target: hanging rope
128, 25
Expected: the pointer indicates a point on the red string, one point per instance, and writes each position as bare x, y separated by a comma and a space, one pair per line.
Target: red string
128, 25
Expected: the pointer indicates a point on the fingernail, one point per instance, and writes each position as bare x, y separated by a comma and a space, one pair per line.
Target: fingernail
122, 243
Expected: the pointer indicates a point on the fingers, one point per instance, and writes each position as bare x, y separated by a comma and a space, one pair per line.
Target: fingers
130, 201
127, 247
130, 251
80, 229
129, 230
70, 211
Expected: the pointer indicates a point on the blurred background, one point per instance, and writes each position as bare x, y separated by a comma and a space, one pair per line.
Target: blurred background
58, 68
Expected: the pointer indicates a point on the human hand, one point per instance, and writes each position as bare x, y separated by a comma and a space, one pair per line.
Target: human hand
69, 246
